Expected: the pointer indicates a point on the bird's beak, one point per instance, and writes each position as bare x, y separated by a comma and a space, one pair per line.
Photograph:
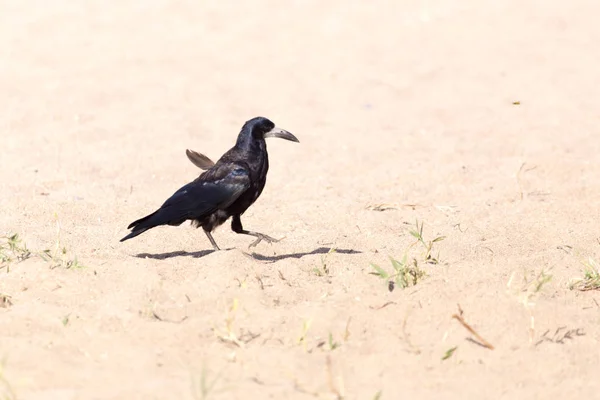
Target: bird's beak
282, 134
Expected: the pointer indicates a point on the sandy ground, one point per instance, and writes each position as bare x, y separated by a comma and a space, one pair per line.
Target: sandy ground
478, 118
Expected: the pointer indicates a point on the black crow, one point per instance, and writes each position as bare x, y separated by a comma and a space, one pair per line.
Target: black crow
225, 190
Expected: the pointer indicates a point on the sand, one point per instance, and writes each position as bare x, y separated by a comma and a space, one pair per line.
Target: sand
477, 119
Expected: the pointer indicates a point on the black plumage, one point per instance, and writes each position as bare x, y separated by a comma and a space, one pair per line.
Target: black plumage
226, 189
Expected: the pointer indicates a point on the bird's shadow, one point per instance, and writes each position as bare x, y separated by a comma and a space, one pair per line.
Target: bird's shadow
256, 256
320, 250
163, 256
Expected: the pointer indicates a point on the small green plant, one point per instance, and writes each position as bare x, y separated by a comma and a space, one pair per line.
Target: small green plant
532, 285
449, 353
58, 256
591, 277
405, 274
305, 328
324, 269
332, 344
12, 249
60, 259
540, 280
528, 292
428, 245
228, 335
408, 273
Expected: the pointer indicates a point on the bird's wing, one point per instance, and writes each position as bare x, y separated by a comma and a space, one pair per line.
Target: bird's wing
199, 159
197, 199
203, 196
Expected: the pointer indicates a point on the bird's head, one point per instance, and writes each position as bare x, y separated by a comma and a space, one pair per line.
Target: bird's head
261, 128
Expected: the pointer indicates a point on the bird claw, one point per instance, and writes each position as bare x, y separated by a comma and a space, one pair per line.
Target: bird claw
261, 237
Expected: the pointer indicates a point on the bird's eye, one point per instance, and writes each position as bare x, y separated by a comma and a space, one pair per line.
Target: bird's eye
238, 172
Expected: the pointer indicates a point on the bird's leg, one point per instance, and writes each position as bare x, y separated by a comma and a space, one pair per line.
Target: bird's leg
212, 241
236, 226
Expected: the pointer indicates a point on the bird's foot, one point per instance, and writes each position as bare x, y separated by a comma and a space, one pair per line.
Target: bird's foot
260, 237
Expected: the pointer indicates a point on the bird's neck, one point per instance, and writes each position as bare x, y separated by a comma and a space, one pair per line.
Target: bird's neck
251, 145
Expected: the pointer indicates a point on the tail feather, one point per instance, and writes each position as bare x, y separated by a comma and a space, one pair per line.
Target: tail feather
159, 217
133, 234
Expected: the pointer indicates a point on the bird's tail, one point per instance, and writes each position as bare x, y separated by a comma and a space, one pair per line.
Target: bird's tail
193, 201
143, 224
